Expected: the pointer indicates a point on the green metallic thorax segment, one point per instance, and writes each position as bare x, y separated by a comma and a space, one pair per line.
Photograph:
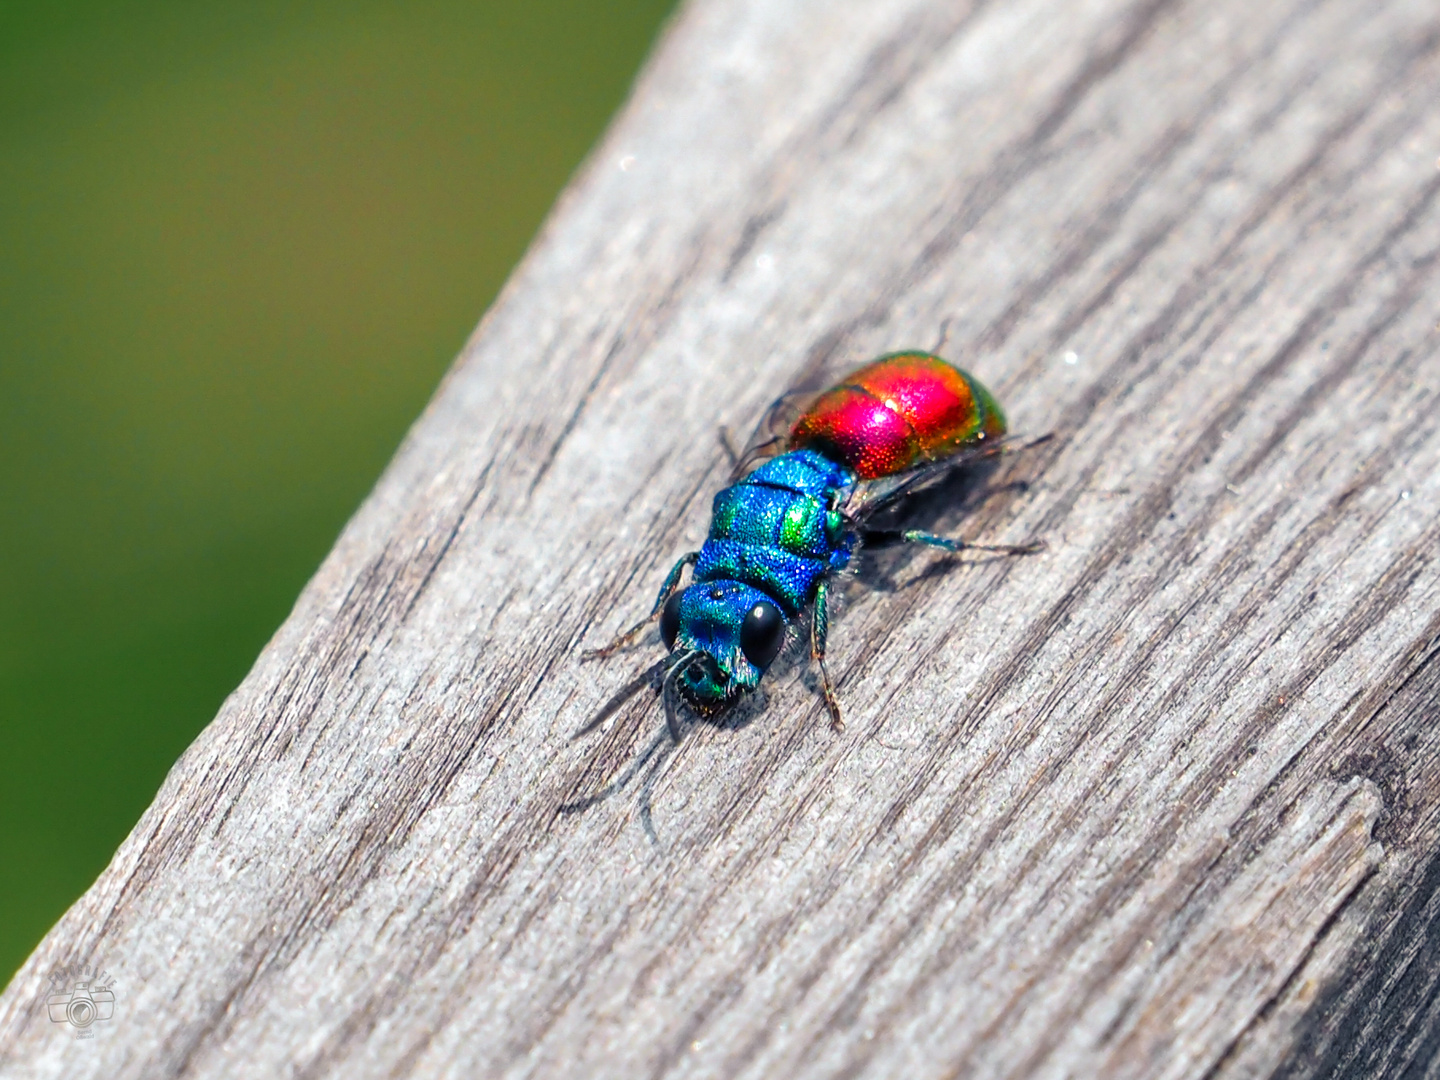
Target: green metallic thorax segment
757, 514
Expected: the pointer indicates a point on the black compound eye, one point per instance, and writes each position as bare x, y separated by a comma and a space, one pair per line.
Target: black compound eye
670, 619
761, 634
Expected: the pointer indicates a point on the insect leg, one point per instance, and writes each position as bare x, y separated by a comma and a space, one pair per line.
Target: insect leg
944, 335
671, 581
819, 628
915, 536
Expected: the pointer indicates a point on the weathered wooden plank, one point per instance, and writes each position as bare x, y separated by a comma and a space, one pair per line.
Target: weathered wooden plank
1161, 802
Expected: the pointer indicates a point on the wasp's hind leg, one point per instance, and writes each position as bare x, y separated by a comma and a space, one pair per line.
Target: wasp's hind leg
819, 629
671, 581
916, 536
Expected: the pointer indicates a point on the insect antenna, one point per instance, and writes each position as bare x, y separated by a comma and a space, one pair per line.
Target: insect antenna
645, 801
653, 755
667, 690
672, 723
620, 697
657, 744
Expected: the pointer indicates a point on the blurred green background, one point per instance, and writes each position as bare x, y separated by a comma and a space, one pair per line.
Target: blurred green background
238, 247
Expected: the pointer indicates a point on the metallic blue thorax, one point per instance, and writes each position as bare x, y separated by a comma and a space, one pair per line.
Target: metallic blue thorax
777, 529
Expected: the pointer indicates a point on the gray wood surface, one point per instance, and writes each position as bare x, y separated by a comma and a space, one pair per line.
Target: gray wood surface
1162, 801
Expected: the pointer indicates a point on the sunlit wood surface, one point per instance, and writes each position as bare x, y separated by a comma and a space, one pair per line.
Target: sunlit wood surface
1158, 802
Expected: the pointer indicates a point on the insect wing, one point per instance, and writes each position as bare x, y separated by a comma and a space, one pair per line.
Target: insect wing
771, 436
869, 497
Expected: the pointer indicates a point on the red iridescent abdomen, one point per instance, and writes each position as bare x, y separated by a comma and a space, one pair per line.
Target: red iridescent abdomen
897, 412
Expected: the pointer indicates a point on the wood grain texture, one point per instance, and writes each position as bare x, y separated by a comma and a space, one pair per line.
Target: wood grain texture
1160, 802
